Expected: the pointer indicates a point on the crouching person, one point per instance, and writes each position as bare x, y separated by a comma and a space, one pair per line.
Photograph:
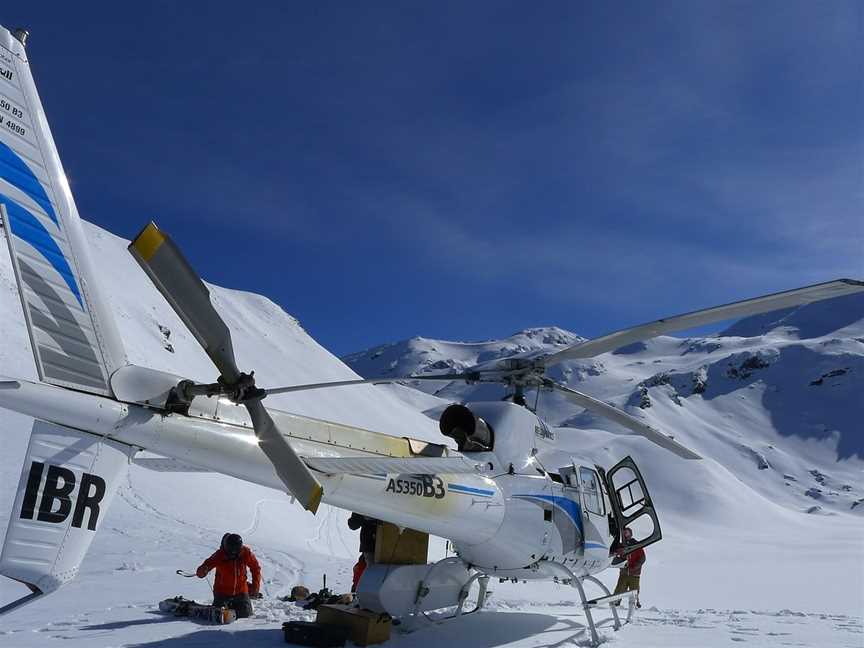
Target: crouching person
231, 561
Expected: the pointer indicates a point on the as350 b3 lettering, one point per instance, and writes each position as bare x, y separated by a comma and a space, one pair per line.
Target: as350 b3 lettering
422, 486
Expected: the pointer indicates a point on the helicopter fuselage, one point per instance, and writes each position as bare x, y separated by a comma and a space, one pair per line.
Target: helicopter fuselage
515, 520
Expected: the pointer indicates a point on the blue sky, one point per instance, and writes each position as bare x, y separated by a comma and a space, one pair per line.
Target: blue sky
465, 170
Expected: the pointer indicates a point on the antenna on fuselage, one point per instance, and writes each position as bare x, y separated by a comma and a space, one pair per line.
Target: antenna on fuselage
519, 396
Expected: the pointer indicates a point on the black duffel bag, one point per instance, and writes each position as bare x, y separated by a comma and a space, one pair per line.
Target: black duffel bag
309, 633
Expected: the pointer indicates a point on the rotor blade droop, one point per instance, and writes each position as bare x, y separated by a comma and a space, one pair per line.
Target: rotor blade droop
754, 306
623, 418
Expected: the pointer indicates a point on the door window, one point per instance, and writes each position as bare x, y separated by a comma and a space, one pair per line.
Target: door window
591, 491
569, 478
631, 504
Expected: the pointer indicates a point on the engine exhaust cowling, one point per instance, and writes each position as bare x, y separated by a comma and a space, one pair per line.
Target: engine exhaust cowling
471, 433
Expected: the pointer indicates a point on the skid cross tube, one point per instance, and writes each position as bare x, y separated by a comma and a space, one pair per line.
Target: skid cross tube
608, 597
481, 595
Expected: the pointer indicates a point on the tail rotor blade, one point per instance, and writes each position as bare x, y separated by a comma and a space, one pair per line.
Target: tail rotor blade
183, 289
291, 470
181, 286
622, 418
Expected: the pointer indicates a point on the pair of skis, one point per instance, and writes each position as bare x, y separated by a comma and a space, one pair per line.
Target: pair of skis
183, 607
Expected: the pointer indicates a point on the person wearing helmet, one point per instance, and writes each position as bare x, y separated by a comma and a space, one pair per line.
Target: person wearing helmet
231, 561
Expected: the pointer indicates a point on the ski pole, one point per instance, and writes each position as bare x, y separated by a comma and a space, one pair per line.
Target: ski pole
186, 574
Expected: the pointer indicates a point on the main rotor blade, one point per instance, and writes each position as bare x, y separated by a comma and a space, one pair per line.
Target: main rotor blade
743, 308
183, 289
622, 418
290, 468
372, 381
324, 385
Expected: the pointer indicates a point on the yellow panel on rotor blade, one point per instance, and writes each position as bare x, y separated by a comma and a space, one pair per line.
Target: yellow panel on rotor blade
315, 500
148, 241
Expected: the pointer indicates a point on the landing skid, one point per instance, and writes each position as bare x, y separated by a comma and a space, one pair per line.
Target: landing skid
589, 604
410, 593
409, 624
483, 581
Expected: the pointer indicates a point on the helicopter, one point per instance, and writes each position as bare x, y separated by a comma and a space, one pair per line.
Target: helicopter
511, 502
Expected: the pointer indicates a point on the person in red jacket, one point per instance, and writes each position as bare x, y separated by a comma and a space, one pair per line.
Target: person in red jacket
231, 561
631, 568
368, 531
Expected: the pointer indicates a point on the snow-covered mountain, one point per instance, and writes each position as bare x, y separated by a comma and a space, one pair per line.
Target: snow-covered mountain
737, 534
776, 396
421, 355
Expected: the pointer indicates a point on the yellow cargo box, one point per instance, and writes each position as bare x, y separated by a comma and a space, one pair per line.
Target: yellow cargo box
408, 548
366, 628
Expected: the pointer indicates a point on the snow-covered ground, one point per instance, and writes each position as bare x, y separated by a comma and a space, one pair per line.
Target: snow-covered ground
741, 559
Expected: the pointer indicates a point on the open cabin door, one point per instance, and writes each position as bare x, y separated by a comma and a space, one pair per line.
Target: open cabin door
631, 504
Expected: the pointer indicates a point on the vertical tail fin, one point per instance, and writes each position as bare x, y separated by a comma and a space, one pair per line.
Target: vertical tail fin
74, 337
67, 483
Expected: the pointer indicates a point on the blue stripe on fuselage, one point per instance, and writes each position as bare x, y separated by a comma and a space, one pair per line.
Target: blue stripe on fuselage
571, 508
468, 490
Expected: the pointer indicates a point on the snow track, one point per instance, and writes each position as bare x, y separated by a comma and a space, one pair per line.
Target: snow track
519, 624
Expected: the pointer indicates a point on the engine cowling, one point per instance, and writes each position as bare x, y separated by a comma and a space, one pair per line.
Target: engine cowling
470, 432
511, 433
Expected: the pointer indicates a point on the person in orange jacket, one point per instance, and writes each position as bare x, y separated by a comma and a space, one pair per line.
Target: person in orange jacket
231, 561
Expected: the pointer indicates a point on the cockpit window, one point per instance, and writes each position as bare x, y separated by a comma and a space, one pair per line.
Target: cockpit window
591, 489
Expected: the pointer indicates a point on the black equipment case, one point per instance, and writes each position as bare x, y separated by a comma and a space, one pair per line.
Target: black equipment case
308, 633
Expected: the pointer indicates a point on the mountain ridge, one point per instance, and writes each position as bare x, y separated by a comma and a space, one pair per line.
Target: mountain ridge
796, 393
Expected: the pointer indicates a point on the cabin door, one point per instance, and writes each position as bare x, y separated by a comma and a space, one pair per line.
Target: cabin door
631, 504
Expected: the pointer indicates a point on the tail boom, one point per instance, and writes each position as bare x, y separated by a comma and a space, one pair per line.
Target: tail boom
449, 511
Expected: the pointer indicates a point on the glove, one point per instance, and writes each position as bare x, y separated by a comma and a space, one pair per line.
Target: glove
253, 594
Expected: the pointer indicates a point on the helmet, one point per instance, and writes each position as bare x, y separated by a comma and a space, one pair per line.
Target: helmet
232, 543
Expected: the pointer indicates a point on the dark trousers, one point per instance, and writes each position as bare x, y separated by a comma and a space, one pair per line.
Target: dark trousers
241, 604
627, 583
